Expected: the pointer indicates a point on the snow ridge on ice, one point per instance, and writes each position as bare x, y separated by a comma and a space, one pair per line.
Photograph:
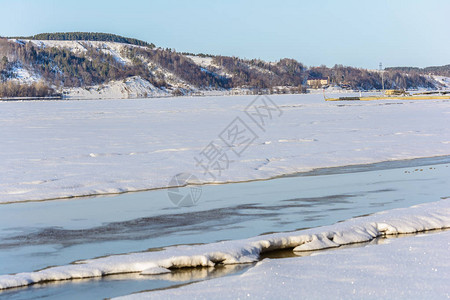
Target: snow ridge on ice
413, 267
429, 216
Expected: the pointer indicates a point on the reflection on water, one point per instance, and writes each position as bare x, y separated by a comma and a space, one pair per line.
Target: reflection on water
141, 228
152, 227
121, 284
199, 273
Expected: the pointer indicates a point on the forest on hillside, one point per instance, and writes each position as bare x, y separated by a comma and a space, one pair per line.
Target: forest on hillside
260, 74
179, 65
361, 79
85, 36
61, 67
436, 70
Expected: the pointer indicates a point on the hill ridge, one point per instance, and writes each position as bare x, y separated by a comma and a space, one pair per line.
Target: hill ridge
85, 36
89, 61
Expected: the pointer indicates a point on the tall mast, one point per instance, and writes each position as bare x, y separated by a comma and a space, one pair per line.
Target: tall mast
382, 75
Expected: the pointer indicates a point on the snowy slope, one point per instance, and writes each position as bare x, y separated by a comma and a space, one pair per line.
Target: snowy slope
444, 81
207, 63
133, 87
112, 48
23, 75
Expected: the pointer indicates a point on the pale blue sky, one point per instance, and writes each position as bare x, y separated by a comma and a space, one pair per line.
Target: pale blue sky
350, 32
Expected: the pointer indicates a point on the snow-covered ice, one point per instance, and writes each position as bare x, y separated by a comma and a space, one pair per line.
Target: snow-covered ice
55, 149
406, 268
74, 148
435, 215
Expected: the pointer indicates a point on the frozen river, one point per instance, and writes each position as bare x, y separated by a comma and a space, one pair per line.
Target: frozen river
63, 149
37, 235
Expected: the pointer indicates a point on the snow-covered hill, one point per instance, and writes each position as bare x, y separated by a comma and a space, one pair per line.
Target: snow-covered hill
81, 69
131, 87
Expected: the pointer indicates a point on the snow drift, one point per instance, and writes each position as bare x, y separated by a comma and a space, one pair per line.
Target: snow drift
413, 267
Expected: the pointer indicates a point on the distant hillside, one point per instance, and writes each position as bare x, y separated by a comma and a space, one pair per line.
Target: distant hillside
86, 36
93, 63
361, 79
436, 70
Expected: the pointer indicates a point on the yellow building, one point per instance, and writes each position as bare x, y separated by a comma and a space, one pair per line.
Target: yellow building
317, 83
